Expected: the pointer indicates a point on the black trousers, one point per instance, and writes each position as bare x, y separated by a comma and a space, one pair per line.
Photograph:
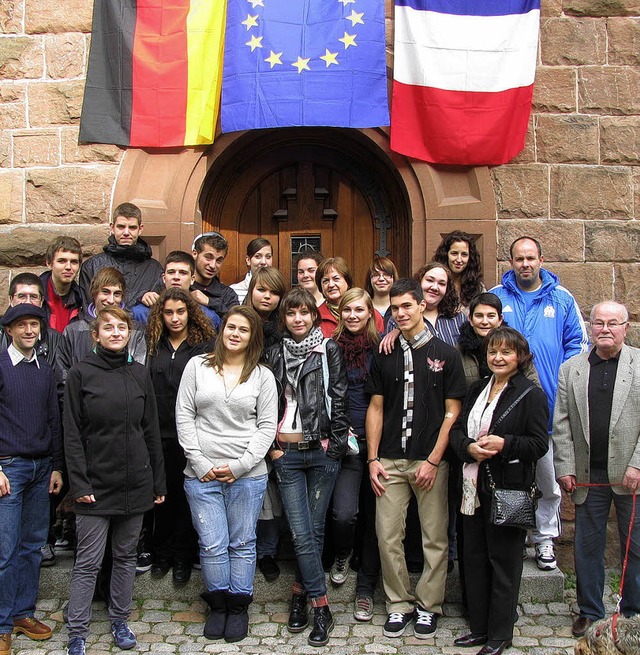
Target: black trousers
174, 537
493, 569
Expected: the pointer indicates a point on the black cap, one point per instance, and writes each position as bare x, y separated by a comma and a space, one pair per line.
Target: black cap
20, 311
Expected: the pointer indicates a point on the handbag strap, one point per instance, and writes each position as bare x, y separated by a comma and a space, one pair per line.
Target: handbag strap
513, 404
492, 483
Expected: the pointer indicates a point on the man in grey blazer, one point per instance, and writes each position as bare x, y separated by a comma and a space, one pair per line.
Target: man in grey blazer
596, 437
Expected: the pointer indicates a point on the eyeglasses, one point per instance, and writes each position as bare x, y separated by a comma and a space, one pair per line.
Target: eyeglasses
381, 274
208, 234
612, 325
28, 297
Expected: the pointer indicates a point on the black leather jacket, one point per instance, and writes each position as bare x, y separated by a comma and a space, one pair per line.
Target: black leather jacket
316, 424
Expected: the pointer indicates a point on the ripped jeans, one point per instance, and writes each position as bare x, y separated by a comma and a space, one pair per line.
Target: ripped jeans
306, 480
225, 517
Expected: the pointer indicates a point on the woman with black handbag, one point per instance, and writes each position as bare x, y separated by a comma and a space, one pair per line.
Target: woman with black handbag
500, 434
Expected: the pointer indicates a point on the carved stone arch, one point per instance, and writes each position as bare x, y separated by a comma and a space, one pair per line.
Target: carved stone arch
170, 187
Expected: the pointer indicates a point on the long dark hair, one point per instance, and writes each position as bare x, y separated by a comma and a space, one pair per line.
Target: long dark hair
199, 328
254, 349
450, 302
471, 277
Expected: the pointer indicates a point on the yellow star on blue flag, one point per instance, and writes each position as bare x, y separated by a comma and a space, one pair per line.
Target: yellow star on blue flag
326, 64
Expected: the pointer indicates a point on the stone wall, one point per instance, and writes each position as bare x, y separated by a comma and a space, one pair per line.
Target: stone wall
48, 184
576, 186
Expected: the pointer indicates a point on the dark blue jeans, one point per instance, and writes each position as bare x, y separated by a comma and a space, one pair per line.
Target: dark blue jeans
306, 479
345, 502
24, 523
589, 549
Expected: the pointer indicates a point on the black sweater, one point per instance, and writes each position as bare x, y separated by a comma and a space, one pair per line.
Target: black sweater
112, 438
166, 367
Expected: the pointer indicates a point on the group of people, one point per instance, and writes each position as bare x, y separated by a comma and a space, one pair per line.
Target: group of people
162, 401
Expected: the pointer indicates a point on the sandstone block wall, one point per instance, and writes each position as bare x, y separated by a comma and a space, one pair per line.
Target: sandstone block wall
48, 184
576, 186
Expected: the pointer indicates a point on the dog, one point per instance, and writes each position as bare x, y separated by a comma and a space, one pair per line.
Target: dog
600, 640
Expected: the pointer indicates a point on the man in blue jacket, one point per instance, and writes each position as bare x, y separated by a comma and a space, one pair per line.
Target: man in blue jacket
535, 304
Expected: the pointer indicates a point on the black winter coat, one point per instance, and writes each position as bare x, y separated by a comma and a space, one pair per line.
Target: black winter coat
166, 367
141, 272
112, 438
315, 422
524, 430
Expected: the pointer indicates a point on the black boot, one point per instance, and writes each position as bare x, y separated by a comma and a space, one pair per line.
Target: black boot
322, 626
215, 625
237, 626
298, 616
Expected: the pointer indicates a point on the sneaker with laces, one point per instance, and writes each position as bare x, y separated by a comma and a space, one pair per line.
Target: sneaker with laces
122, 635
396, 624
48, 556
144, 562
340, 570
75, 646
546, 557
363, 608
426, 623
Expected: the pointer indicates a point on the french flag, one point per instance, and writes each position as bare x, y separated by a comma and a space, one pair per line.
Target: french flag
463, 79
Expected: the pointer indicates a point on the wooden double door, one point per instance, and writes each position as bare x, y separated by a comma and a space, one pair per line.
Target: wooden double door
314, 194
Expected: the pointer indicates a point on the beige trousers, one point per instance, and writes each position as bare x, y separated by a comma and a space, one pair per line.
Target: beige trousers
391, 516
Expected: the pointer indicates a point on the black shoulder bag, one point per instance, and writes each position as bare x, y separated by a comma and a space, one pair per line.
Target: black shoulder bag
513, 508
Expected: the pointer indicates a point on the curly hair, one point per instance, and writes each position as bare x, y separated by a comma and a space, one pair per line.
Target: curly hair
471, 277
199, 328
448, 306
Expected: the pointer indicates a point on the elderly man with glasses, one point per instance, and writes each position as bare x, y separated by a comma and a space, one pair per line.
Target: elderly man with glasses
596, 436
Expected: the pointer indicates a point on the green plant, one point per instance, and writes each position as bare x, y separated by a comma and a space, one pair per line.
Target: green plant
570, 580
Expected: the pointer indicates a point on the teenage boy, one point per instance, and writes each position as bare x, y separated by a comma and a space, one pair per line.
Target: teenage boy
62, 295
128, 253
209, 252
416, 396
179, 270
107, 289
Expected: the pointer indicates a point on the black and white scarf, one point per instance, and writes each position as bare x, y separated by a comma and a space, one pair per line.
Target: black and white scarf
409, 388
296, 352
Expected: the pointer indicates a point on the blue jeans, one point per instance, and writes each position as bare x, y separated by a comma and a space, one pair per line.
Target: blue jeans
306, 479
24, 524
225, 517
589, 549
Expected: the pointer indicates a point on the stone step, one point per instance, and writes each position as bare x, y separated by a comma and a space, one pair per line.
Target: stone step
536, 586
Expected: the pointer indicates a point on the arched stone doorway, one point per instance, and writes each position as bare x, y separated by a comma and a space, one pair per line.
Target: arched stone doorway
183, 191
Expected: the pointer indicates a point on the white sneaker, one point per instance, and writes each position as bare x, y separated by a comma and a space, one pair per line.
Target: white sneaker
363, 608
340, 570
546, 557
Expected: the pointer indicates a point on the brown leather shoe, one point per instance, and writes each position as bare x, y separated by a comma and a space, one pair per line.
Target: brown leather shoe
580, 626
5, 643
31, 627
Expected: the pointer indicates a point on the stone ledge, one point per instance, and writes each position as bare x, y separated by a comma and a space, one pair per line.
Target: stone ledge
536, 587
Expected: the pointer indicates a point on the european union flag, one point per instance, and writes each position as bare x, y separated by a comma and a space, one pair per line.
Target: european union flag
304, 62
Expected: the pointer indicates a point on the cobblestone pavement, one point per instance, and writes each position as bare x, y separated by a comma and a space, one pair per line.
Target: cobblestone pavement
176, 627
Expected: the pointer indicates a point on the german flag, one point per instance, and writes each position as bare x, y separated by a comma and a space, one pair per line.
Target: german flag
154, 74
